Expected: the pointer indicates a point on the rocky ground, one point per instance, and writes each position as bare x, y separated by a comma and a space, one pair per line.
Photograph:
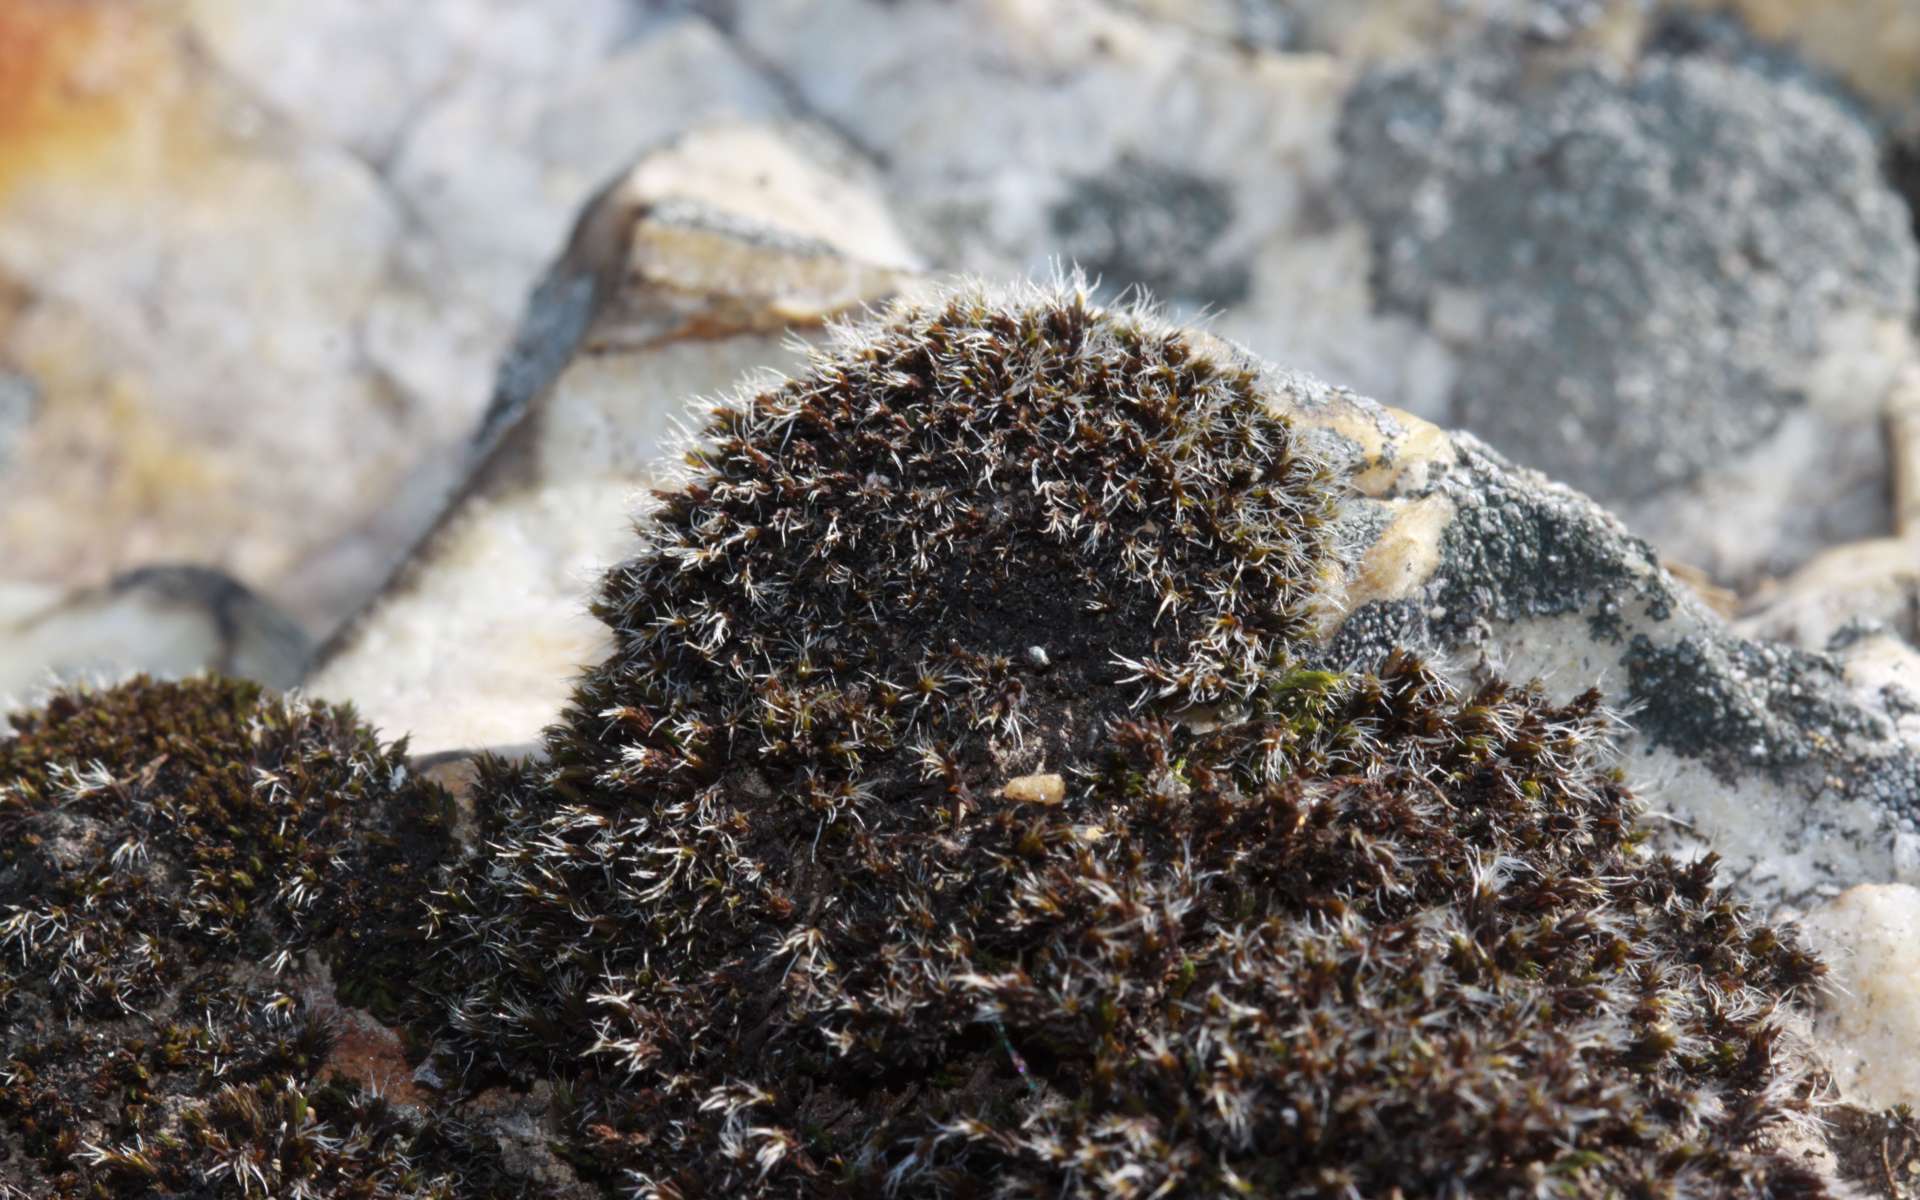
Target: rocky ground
258, 265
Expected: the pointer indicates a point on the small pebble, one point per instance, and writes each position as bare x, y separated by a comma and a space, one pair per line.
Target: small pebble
1036, 789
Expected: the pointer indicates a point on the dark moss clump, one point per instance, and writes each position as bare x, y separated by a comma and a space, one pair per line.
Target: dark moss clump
172, 855
952, 552
773, 913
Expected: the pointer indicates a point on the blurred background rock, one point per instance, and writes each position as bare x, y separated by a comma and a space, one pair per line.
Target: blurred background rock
259, 259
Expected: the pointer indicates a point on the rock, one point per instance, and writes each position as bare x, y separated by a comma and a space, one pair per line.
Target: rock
1649, 291
1797, 769
1877, 580
1255, 24
197, 880
1869, 1016
687, 273
524, 1129
1128, 138
1401, 30
1874, 45
1880, 1151
19, 400
126, 324
1035, 789
361, 1049
1192, 149
257, 262
168, 621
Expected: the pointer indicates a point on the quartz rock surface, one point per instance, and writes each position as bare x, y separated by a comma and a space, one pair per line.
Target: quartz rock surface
1870, 1020
700, 265
257, 260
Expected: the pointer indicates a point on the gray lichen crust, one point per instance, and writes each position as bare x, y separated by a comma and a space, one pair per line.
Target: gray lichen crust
1648, 258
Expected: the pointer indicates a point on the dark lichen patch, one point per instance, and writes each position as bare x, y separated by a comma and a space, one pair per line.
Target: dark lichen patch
1741, 705
1636, 265
1888, 781
771, 918
1903, 172
170, 854
1514, 553
1372, 632
1145, 224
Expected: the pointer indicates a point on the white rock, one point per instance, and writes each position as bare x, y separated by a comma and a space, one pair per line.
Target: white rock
257, 261
697, 263
165, 621
1868, 1022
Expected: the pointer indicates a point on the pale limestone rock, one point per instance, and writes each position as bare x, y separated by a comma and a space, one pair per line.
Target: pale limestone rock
1874, 580
165, 621
359, 74
1868, 1021
499, 164
256, 261
683, 277
1149, 152
152, 343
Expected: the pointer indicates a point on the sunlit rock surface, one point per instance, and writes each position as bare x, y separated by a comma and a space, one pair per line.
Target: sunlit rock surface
697, 267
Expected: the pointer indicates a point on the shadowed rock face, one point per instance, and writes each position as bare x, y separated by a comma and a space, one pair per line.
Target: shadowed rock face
1150, 226
169, 620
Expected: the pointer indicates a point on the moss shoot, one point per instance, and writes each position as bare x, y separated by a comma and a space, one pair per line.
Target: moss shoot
956, 818
172, 855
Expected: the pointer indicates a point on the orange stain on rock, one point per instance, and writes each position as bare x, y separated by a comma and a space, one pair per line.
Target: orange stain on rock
371, 1055
63, 87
